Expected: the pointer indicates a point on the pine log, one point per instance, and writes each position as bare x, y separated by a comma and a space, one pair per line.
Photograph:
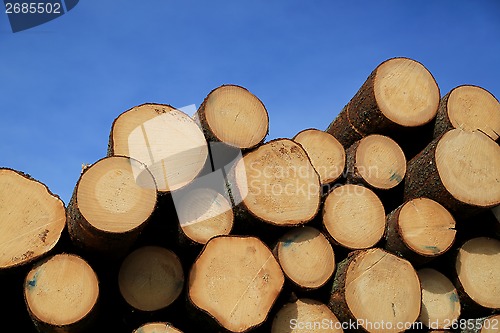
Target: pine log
306, 316
376, 161
233, 115
420, 230
167, 140
157, 328
278, 184
203, 214
343, 130
478, 274
377, 290
327, 155
111, 204
469, 108
235, 280
151, 278
460, 170
31, 219
399, 93
440, 302
306, 257
354, 217
61, 294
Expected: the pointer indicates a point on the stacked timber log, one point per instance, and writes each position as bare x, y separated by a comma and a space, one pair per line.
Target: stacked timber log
388, 221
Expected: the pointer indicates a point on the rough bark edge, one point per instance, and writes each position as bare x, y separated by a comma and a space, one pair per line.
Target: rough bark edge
342, 129
81, 326
443, 123
200, 118
337, 302
89, 238
211, 321
31, 259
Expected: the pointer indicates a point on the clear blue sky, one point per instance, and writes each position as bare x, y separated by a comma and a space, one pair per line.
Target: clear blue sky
63, 83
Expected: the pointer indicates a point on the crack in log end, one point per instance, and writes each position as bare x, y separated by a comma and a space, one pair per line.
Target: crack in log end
393, 309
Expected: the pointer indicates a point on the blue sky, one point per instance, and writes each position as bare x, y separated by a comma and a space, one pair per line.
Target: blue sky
63, 83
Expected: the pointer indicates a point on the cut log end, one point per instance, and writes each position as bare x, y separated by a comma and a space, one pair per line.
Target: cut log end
380, 162
468, 164
204, 214
157, 328
473, 108
278, 183
372, 291
61, 291
406, 92
426, 227
326, 153
306, 257
234, 116
440, 302
151, 278
479, 272
141, 133
354, 216
116, 194
305, 316
31, 219
235, 280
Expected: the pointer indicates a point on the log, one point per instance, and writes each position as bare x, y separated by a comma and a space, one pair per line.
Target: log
235, 280
478, 274
354, 217
343, 130
368, 289
151, 278
31, 219
419, 230
203, 214
278, 184
469, 108
399, 93
167, 140
61, 294
440, 302
376, 161
306, 257
326, 154
159, 327
460, 170
111, 204
306, 316
233, 115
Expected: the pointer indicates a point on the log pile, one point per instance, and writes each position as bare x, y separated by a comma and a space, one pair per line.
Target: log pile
388, 221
